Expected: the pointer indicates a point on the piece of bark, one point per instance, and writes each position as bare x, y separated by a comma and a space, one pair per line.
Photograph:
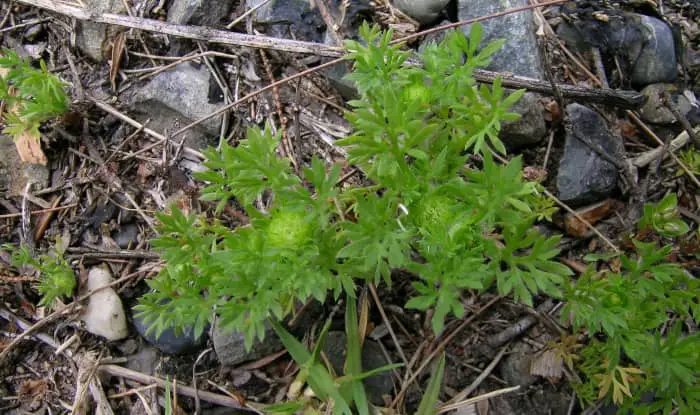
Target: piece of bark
593, 214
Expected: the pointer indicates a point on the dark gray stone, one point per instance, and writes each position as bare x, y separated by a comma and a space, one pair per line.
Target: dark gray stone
145, 361
127, 236
169, 342
355, 14
286, 17
646, 44
230, 346
15, 174
199, 12
655, 109
530, 128
657, 60
520, 54
174, 98
515, 368
335, 347
584, 176
423, 11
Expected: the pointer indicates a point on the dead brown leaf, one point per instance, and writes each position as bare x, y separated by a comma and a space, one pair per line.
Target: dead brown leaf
32, 389
29, 149
592, 214
118, 47
547, 364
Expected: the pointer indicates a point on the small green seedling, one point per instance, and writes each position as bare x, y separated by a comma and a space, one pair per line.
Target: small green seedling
663, 217
57, 279
32, 96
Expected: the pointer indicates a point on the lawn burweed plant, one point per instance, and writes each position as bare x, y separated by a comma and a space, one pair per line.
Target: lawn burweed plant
636, 318
438, 206
429, 211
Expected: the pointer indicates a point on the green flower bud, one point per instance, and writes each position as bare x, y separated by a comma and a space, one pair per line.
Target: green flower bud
417, 92
288, 230
434, 211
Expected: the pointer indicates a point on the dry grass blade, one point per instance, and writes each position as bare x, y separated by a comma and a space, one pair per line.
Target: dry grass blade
476, 399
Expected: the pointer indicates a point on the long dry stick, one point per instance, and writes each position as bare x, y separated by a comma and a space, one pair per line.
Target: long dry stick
220, 400
188, 32
479, 379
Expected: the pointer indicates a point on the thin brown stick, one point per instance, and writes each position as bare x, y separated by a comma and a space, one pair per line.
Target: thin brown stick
36, 212
253, 94
682, 119
440, 348
160, 137
479, 379
622, 99
656, 138
45, 219
373, 291
116, 253
246, 14
582, 219
643, 159
476, 399
189, 391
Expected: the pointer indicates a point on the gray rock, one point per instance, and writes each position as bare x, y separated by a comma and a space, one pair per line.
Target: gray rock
174, 98
145, 361
169, 341
92, 37
657, 59
354, 15
655, 110
572, 37
584, 176
335, 347
530, 128
230, 346
287, 17
127, 236
645, 43
15, 174
199, 12
515, 369
520, 54
423, 11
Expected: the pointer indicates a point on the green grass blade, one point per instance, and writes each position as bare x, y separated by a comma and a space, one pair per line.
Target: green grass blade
432, 392
353, 364
295, 348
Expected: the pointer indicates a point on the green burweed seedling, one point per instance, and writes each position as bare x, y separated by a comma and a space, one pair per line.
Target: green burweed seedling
40, 96
634, 319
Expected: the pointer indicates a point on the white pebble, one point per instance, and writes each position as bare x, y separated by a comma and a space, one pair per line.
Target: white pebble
105, 313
